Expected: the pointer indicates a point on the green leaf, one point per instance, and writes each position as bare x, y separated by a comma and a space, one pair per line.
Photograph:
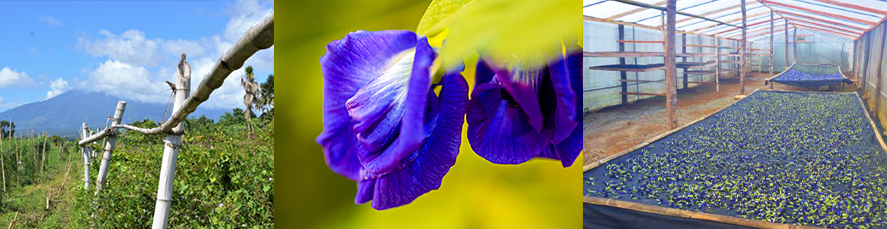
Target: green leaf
438, 16
502, 29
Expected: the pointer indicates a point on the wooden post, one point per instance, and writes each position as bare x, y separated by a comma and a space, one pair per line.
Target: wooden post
771, 43
109, 146
717, 64
865, 62
670, 66
878, 83
795, 44
85, 151
43, 154
3, 171
742, 51
785, 35
171, 149
684, 59
622, 74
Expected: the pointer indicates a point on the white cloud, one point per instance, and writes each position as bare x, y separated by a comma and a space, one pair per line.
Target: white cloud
51, 21
126, 81
10, 77
138, 65
57, 87
130, 46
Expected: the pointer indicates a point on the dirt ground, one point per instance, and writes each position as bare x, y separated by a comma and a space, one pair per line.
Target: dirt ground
614, 129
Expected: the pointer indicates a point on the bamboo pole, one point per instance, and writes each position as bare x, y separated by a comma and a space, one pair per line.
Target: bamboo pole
771, 43
3, 171
742, 52
717, 64
785, 35
85, 151
109, 147
12, 223
670, 65
171, 149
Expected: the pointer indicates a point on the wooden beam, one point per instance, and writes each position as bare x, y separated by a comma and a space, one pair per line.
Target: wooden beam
622, 74
641, 93
742, 51
772, 27
826, 14
828, 26
851, 37
670, 65
638, 10
623, 54
641, 4
853, 6
819, 20
643, 42
786, 48
728, 22
750, 25
711, 13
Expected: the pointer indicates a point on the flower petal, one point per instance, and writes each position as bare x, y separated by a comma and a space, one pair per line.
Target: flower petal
523, 85
438, 154
497, 132
566, 112
364, 191
382, 159
348, 65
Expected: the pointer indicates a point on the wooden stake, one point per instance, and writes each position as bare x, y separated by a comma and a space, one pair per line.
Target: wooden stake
109, 146
12, 223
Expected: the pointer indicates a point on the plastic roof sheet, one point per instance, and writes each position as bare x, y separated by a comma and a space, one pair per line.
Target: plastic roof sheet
845, 18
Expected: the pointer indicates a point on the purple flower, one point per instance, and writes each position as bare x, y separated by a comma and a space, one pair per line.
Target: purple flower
532, 110
383, 125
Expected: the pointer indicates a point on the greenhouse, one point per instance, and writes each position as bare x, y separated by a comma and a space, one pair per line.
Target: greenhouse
734, 114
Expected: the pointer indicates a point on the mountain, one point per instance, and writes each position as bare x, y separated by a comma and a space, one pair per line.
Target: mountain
62, 115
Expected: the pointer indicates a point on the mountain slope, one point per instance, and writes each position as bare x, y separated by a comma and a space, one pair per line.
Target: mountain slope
63, 114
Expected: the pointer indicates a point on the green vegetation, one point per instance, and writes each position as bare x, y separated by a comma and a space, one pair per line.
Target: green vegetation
224, 178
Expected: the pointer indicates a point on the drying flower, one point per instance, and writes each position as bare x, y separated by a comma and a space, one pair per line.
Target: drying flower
383, 125
532, 110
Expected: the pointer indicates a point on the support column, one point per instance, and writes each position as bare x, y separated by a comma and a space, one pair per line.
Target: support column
771, 43
622, 74
742, 50
877, 93
109, 146
717, 63
670, 66
684, 59
785, 34
171, 150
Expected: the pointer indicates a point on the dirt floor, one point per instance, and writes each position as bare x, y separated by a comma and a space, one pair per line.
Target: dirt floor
614, 129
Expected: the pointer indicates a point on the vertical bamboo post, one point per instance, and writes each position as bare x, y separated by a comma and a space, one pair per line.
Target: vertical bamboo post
795, 44
865, 62
171, 149
85, 151
742, 51
109, 146
878, 92
3, 170
43, 154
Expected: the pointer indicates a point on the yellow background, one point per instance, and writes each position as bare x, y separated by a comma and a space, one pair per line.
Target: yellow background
474, 194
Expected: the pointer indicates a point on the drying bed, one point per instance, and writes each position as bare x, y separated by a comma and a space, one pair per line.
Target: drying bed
784, 157
805, 75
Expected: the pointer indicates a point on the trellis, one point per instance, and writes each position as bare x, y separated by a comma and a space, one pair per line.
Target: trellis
260, 36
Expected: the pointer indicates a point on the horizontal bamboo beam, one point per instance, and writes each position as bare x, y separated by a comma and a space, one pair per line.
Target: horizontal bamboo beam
826, 14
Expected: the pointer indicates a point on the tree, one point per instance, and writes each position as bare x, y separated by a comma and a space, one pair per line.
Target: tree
250, 96
266, 101
7, 129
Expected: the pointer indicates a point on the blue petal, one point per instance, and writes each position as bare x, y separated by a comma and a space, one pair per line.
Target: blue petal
523, 83
438, 154
497, 132
348, 65
364, 191
566, 112
483, 74
383, 157
569, 148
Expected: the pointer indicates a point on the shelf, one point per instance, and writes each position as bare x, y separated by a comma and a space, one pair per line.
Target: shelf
623, 54
694, 64
702, 72
629, 67
694, 54
639, 93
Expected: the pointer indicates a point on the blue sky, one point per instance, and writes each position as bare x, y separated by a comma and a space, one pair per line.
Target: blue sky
126, 48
